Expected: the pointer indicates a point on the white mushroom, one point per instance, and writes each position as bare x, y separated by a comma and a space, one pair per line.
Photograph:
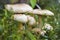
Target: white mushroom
24, 18
21, 18
43, 12
40, 13
31, 20
19, 8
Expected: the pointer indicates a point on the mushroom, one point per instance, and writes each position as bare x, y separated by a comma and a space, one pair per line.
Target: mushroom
39, 31
40, 12
19, 8
22, 18
31, 20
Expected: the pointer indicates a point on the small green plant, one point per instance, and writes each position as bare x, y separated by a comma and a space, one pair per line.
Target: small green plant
33, 3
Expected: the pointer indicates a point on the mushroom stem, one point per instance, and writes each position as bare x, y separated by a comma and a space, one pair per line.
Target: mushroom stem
20, 26
40, 21
40, 17
30, 27
31, 21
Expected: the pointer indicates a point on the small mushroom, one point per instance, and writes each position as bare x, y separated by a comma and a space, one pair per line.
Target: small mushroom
42, 12
39, 31
36, 30
19, 8
31, 20
24, 18
20, 18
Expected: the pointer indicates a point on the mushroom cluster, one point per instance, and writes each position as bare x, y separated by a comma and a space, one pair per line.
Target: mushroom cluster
20, 16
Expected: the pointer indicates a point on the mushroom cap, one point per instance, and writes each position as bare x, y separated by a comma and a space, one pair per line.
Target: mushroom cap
24, 18
38, 30
43, 12
19, 8
20, 17
31, 20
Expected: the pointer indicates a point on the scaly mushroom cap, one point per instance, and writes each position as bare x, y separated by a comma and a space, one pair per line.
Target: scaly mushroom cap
20, 17
43, 12
19, 8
